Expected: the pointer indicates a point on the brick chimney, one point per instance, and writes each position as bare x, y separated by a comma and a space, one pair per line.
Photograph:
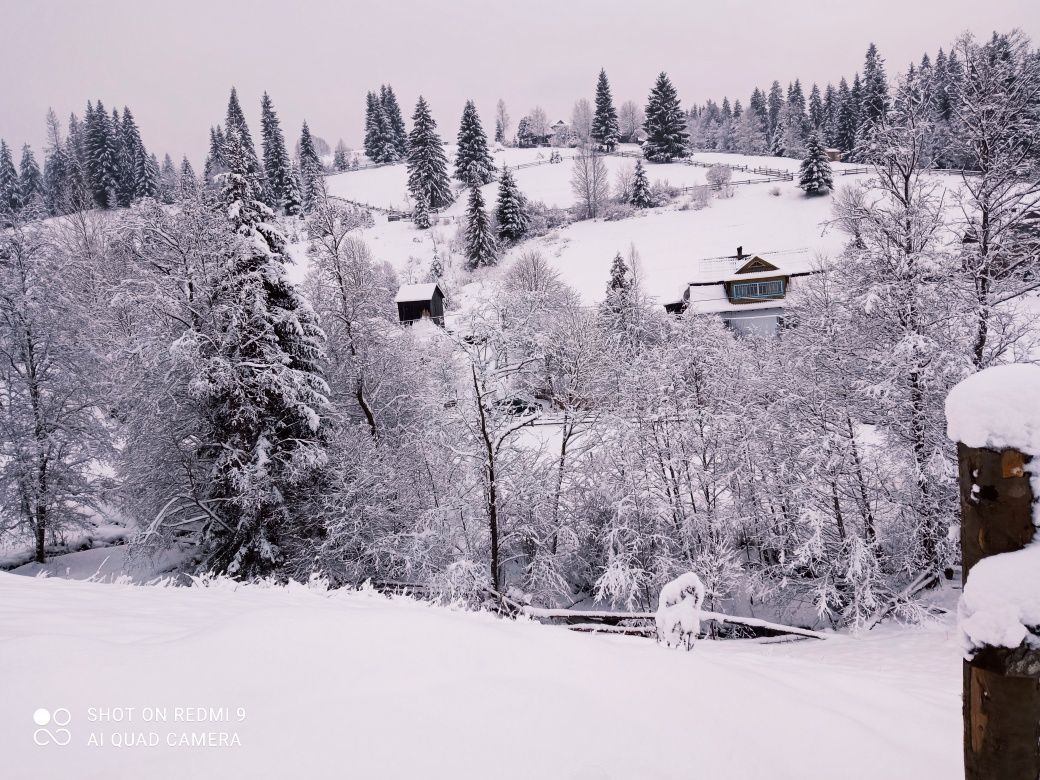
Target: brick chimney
740, 253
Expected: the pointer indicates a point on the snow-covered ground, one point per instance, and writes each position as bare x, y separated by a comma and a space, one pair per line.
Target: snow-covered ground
336, 685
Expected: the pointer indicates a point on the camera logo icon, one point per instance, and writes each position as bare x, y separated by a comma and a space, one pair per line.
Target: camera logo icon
52, 729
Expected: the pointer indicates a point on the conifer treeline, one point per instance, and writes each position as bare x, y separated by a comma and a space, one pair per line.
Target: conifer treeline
99, 161
780, 122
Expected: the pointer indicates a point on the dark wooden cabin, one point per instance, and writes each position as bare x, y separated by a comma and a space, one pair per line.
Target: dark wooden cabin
415, 301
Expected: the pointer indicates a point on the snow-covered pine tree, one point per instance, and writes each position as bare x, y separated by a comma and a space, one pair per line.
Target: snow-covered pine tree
776, 146
9, 200
131, 160
395, 122
774, 103
168, 184
605, 121
641, 196
187, 183
277, 163
311, 171
235, 124
816, 112
481, 249
665, 123
473, 161
148, 176
513, 220
815, 175
617, 305
214, 164
421, 213
55, 168
100, 148
339, 157
261, 387
372, 144
79, 196
874, 101
427, 163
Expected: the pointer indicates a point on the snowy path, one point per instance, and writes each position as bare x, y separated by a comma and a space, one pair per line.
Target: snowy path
349, 685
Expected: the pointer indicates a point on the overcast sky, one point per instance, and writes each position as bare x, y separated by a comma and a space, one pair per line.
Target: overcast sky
173, 62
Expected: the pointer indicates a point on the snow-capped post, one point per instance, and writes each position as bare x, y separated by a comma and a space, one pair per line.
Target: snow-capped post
994, 416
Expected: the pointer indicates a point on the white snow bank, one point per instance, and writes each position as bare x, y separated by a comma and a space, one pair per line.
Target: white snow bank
678, 616
1001, 599
354, 685
997, 408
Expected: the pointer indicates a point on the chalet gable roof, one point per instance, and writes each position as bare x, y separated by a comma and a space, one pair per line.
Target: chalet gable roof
756, 265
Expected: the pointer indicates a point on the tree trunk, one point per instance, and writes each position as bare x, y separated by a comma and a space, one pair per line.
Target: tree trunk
1001, 705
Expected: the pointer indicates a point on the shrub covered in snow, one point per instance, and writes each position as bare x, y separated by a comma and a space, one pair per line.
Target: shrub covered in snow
678, 614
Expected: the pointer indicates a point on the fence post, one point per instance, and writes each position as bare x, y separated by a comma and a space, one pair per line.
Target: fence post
993, 417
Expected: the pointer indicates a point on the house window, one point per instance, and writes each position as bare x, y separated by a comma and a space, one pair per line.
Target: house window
770, 289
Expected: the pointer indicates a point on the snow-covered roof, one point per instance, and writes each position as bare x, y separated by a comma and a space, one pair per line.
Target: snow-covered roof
724, 269
411, 293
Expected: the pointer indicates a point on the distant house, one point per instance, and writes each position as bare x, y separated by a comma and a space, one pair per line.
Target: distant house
747, 291
416, 301
834, 155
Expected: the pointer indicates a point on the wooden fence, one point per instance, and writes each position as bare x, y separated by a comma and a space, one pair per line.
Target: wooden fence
639, 624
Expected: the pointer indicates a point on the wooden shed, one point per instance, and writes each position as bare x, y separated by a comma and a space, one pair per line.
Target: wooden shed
415, 301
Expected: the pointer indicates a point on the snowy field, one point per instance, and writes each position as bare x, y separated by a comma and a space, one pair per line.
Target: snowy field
354, 685
669, 240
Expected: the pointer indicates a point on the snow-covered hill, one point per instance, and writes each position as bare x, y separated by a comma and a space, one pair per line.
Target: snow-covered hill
349, 685
761, 217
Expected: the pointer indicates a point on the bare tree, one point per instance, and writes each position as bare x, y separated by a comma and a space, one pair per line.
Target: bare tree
589, 182
581, 121
502, 122
538, 122
630, 120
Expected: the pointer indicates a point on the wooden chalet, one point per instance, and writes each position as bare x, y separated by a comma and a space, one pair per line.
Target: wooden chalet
747, 291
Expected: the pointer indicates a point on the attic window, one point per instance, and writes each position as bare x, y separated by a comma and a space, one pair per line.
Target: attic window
770, 289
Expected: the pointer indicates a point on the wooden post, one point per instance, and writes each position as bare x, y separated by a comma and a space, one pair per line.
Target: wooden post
1001, 685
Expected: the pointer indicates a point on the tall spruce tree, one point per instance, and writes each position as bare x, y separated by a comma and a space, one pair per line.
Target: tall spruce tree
816, 112
102, 165
262, 391
845, 119
30, 181
473, 161
372, 143
874, 101
481, 248
9, 200
513, 220
605, 130
774, 103
56, 169
815, 175
277, 163
214, 164
187, 183
311, 171
665, 124
339, 157
235, 125
380, 145
395, 122
641, 196
427, 163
